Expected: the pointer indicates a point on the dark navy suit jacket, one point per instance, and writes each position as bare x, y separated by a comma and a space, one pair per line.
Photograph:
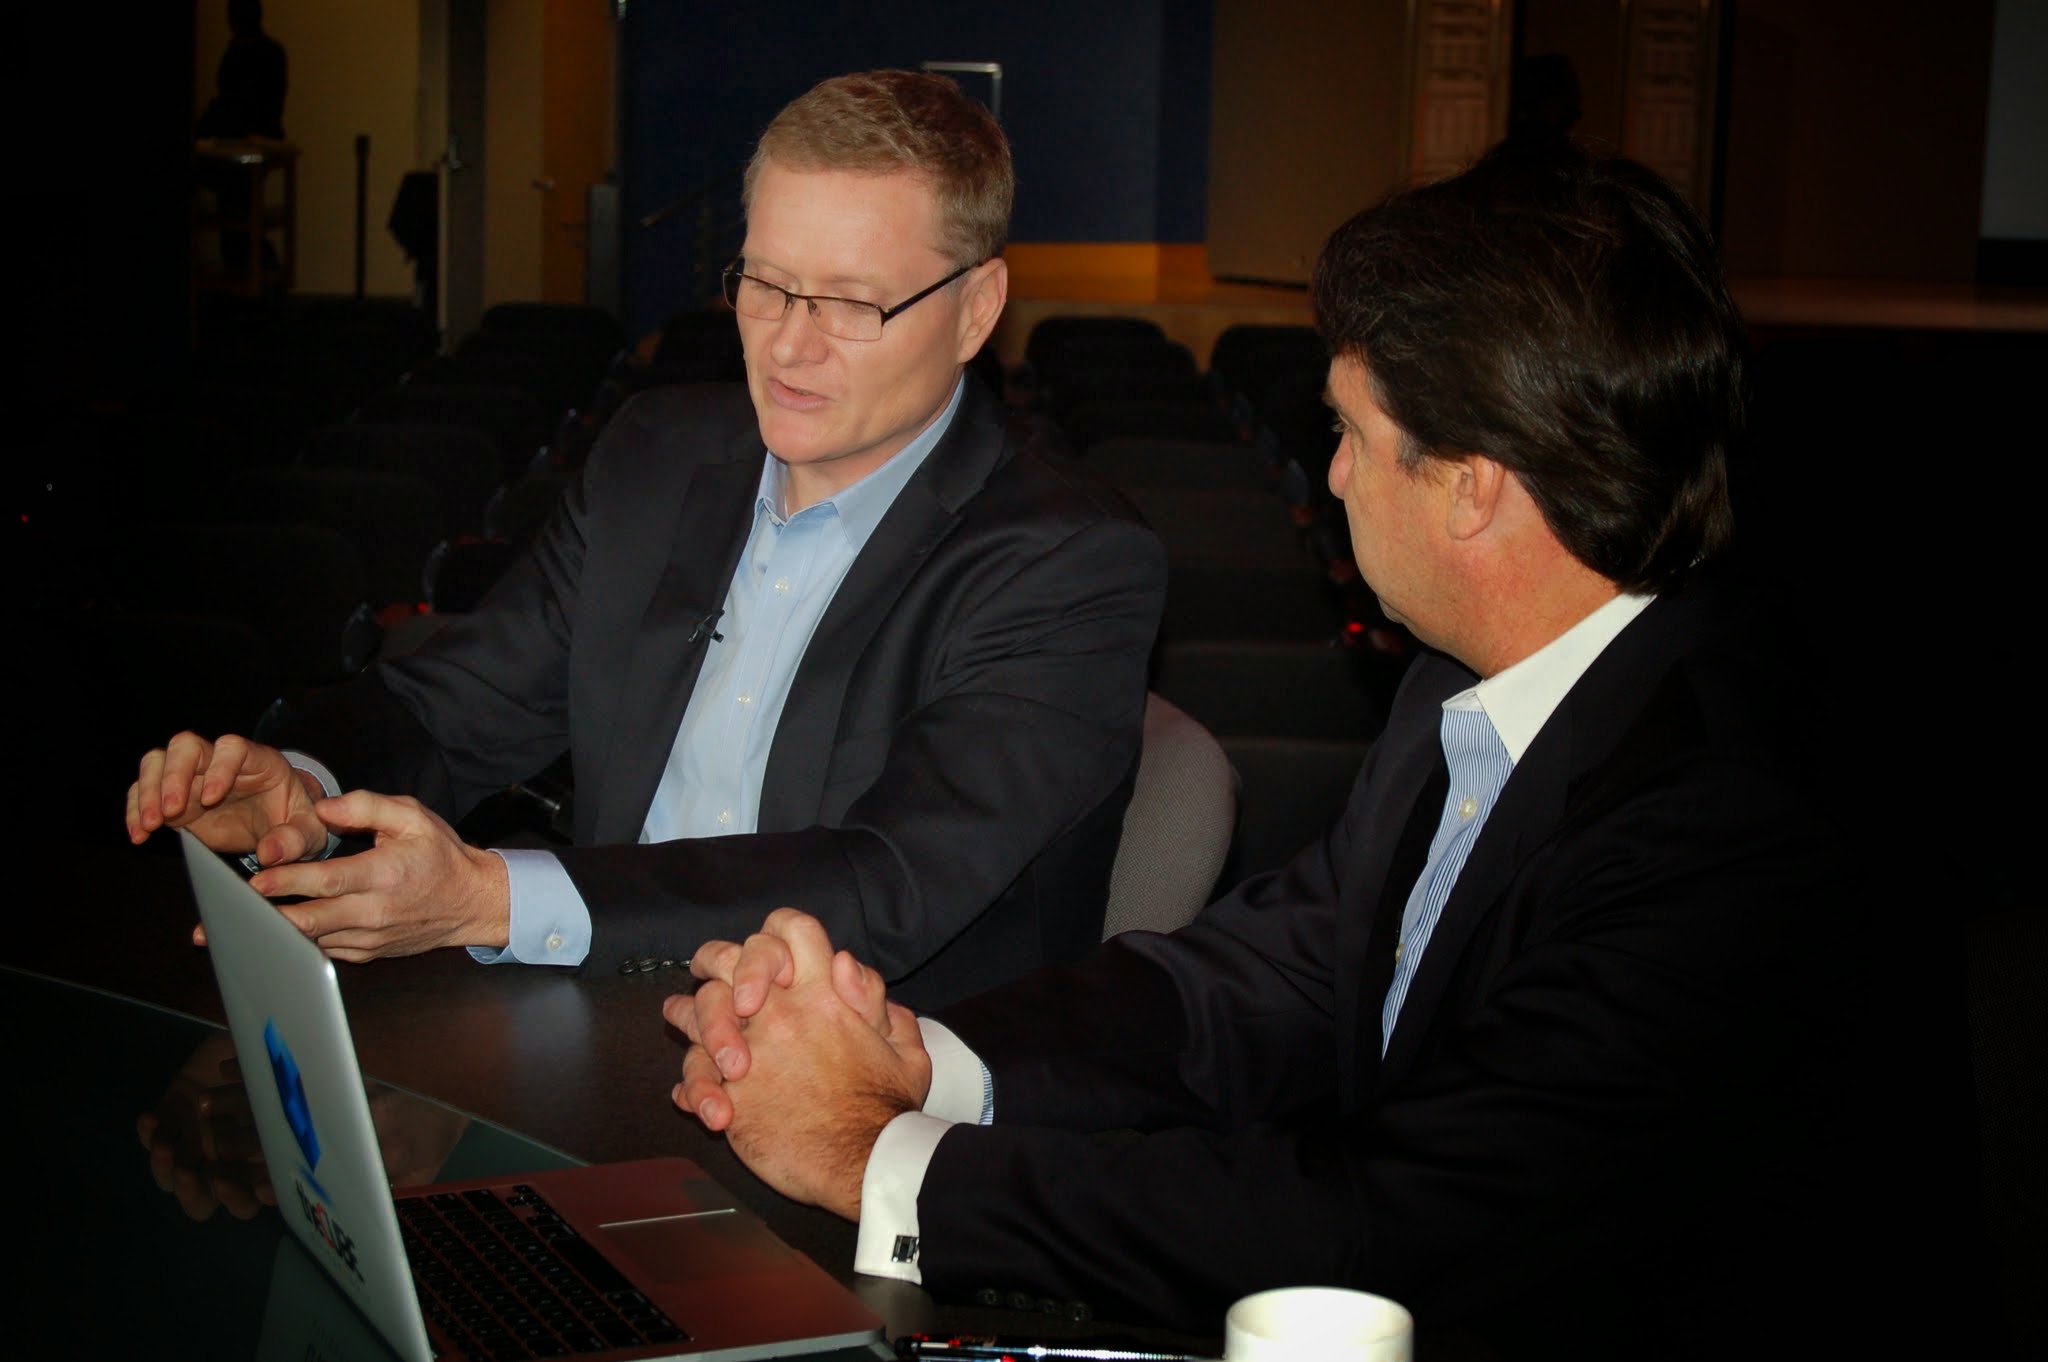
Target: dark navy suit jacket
1590, 1131
946, 786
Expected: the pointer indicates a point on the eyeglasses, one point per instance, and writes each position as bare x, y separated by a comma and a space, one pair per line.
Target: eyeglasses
846, 318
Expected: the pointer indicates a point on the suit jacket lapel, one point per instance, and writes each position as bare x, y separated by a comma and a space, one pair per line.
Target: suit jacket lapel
922, 516
711, 527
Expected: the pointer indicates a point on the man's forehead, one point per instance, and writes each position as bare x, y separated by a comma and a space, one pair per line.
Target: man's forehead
896, 202
791, 176
1348, 384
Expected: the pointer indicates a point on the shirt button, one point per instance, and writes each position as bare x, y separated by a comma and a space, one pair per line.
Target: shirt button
744, 698
1399, 947
724, 817
554, 941
782, 586
1467, 807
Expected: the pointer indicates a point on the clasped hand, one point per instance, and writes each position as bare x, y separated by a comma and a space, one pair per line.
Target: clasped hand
798, 1056
419, 887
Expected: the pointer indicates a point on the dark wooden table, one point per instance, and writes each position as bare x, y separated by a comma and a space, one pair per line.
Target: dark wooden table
581, 1063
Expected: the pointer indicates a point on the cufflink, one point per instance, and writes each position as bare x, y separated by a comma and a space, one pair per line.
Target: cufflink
905, 1250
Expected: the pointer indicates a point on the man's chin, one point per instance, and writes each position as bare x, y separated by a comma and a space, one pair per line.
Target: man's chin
793, 438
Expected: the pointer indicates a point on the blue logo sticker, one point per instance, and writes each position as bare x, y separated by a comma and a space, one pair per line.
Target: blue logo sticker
291, 1091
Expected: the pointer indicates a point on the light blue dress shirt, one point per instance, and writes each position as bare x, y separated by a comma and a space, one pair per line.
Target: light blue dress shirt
788, 573
1479, 765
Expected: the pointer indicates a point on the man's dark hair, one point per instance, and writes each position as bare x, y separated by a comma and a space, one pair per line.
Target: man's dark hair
1564, 316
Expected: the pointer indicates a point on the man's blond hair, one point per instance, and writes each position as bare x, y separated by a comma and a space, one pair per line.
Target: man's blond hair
883, 121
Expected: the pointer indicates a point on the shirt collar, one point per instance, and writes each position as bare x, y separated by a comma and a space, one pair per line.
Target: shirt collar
859, 506
1520, 699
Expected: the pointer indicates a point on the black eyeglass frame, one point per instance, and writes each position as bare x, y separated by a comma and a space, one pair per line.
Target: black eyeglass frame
729, 287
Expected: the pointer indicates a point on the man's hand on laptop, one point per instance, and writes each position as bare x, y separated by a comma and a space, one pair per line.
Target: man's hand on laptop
234, 794
825, 1061
419, 887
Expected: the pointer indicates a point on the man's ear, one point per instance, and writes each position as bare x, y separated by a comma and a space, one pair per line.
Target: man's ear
988, 288
1474, 486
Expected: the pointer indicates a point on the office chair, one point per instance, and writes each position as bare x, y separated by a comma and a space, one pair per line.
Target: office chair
1177, 829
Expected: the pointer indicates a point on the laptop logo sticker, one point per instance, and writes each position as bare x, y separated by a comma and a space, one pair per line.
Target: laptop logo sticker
298, 1114
291, 1090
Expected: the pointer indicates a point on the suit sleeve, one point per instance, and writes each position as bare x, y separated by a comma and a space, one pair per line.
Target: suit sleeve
1599, 1085
1036, 695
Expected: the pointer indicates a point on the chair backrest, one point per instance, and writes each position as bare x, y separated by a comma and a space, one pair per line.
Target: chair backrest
1092, 424
460, 462
518, 424
1050, 334
393, 519
309, 601
1292, 789
1279, 688
1194, 465
1177, 829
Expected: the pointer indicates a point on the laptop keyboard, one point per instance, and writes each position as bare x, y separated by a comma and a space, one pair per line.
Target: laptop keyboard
504, 1277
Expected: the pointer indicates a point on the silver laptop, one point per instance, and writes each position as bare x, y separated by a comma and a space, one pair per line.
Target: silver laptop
630, 1260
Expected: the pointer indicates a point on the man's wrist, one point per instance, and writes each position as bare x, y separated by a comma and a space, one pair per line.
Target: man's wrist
490, 913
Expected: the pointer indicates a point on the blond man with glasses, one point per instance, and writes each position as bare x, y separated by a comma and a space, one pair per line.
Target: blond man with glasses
846, 638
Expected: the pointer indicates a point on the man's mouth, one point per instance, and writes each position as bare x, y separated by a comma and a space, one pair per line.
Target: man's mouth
792, 397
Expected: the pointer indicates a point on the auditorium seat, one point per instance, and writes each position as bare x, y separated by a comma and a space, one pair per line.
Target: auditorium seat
697, 345
1190, 465
1289, 790
580, 322
459, 462
1199, 525
559, 382
1092, 423
107, 685
1277, 688
461, 571
1240, 600
1089, 369
1247, 358
393, 519
299, 587
1050, 334
518, 425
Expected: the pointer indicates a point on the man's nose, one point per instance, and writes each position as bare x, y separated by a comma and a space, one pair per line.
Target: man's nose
797, 338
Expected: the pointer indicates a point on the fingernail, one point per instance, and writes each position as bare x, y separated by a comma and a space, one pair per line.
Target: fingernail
728, 1060
704, 1111
675, 1094
747, 997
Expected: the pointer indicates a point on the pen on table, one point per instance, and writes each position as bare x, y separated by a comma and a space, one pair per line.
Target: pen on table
992, 1347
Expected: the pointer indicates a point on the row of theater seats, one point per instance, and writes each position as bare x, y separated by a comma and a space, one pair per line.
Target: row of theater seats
1269, 642
284, 511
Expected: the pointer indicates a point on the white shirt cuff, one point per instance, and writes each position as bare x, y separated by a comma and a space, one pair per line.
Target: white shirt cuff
888, 1243
961, 1094
550, 925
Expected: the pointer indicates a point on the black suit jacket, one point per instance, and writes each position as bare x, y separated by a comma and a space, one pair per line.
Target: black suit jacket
1597, 1107
946, 785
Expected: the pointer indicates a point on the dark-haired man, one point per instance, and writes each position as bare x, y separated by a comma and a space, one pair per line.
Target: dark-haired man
846, 636
1533, 1040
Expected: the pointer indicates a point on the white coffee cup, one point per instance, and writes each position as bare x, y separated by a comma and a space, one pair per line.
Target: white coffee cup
1318, 1324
